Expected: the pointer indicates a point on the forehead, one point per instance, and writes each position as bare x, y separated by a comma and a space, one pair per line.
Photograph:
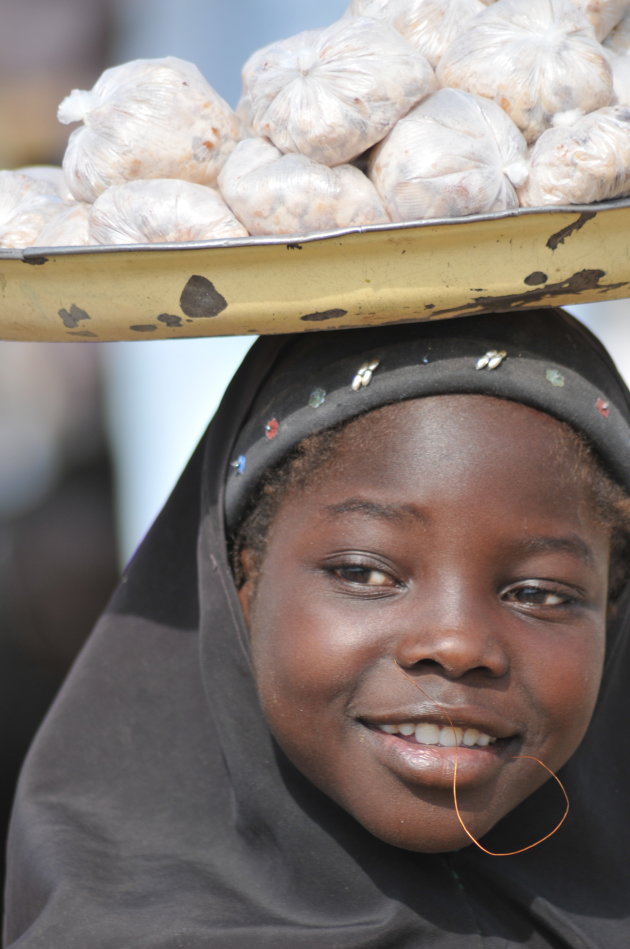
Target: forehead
466, 447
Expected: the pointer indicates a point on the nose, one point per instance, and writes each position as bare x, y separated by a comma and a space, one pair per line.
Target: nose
455, 635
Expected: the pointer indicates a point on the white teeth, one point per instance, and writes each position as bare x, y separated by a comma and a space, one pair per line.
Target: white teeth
471, 737
451, 737
448, 736
427, 734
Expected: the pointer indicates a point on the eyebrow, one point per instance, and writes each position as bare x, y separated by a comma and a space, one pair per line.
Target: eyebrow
571, 544
387, 512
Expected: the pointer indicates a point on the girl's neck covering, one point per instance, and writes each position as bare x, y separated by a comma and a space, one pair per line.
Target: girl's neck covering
155, 810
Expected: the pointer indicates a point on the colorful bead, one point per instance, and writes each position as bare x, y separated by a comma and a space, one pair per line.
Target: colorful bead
555, 377
239, 464
317, 398
603, 407
271, 428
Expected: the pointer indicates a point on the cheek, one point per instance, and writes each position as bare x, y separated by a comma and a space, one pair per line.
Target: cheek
299, 649
565, 687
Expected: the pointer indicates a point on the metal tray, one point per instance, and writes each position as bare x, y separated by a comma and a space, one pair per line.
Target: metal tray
357, 277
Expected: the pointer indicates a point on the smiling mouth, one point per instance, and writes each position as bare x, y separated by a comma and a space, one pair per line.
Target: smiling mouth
444, 736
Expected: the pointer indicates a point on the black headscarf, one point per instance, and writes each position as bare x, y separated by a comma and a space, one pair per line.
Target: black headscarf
155, 809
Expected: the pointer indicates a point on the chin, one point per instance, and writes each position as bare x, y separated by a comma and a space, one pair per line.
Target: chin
443, 835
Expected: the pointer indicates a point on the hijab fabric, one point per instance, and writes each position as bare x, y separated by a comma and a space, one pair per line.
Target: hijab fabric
155, 809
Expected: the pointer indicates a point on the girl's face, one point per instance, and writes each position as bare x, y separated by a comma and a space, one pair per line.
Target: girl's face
446, 568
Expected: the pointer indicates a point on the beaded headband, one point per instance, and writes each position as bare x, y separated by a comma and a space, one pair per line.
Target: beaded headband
545, 359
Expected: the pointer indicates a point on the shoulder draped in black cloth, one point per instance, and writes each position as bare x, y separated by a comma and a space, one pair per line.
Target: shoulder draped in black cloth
155, 810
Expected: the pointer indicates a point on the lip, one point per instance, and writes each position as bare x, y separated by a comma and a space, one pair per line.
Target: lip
434, 765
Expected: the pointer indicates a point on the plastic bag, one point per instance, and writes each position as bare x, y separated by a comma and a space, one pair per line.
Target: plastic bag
161, 210
603, 15
68, 228
149, 118
617, 48
429, 25
454, 154
618, 40
579, 165
538, 59
330, 94
26, 205
274, 193
53, 174
621, 78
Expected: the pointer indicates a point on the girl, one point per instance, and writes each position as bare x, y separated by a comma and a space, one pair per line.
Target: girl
386, 603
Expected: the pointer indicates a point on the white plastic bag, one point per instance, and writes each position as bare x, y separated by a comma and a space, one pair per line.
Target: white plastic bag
53, 174
454, 154
429, 25
579, 165
621, 78
603, 15
617, 47
538, 59
618, 40
68, 228
161, 210
26, 205
330, 94
274, 193
149, 118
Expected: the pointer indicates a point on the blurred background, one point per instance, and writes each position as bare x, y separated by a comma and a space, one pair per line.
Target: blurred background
93, 436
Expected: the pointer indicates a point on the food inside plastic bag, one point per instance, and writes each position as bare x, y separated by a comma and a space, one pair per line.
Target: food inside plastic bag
579, 165
618, 40
452, 155
539, 60
429, 25
26, 205
156, 139
620, 65
68, 228
53, 174
603, 15
272, 193
161, 210
149, 118
617, 48
330, 94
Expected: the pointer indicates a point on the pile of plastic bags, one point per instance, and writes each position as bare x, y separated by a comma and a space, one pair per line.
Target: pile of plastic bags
402, 110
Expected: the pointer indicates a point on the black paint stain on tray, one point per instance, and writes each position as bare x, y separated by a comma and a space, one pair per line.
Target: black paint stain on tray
560, 236
143, 328
294, 247
200, 298
536, 278
84, 334
323, 316
72, 317
170, 320
575, 284
35, 261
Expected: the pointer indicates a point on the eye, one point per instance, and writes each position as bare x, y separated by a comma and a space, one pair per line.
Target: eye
362, 579
540, 595
366, 576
